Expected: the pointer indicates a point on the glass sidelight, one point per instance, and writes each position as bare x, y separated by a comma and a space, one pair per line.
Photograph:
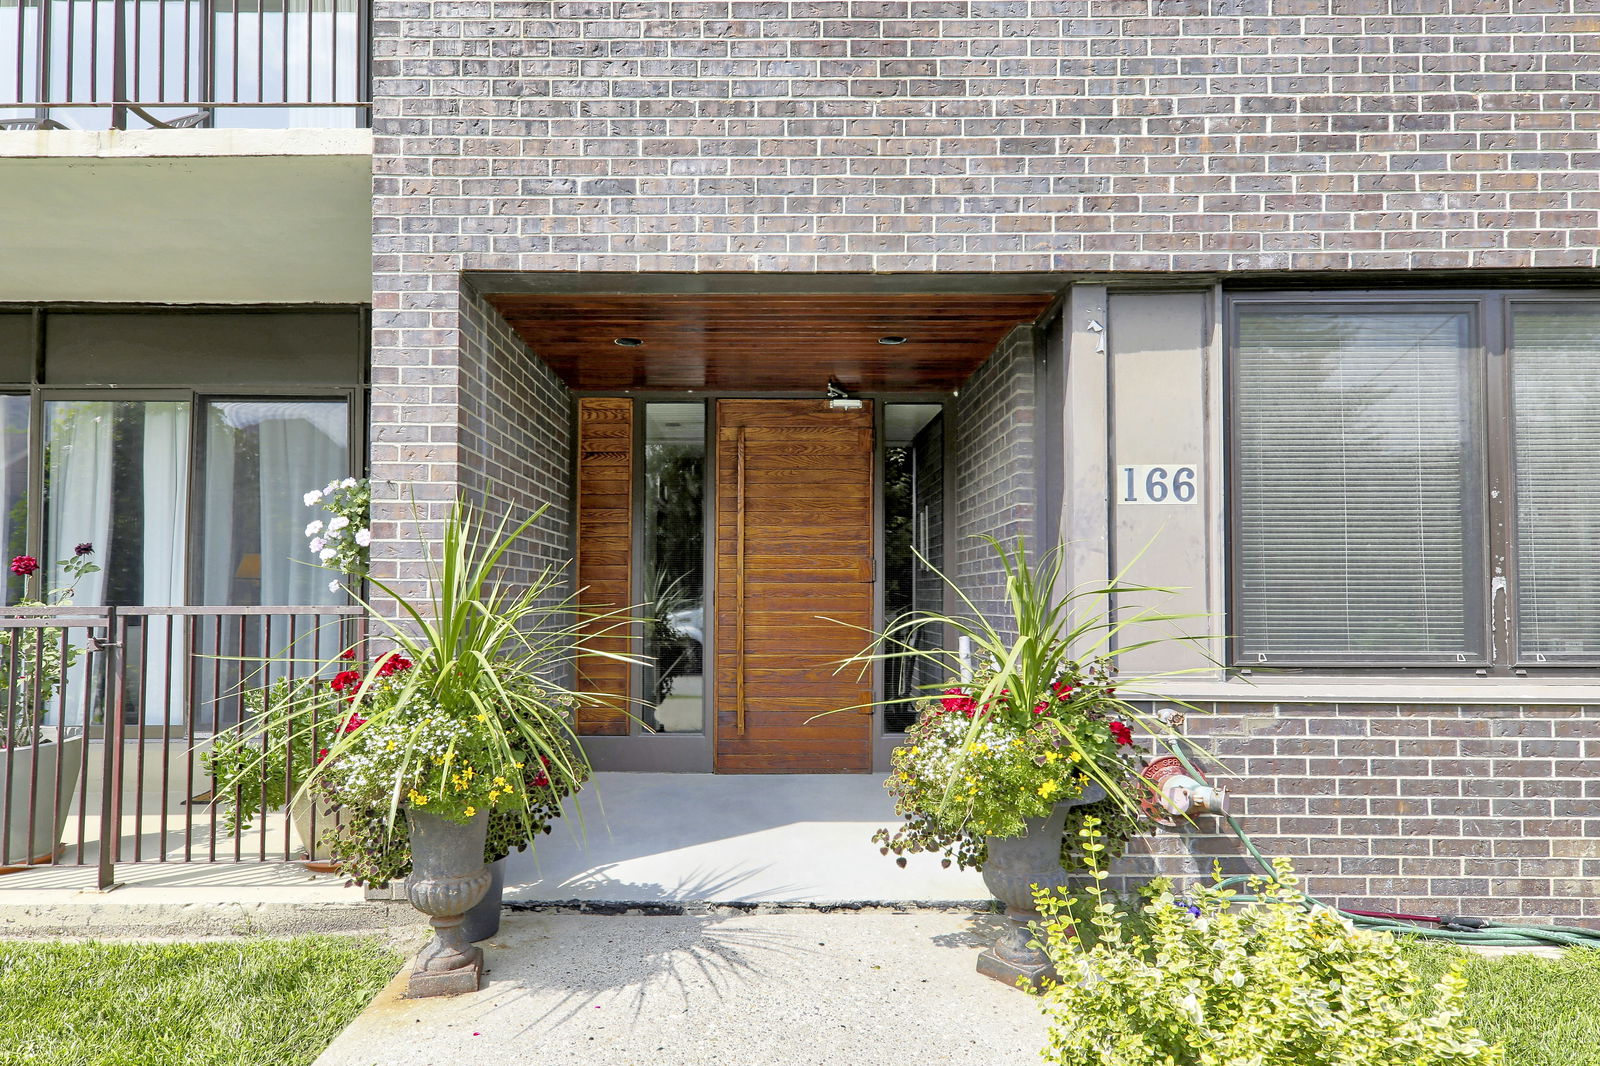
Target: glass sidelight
913, 538
673, 570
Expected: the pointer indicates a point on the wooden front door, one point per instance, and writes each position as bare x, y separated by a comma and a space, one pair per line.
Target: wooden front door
794, 563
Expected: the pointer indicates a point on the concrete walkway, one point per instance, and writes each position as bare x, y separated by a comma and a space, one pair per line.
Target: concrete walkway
633, 838
789, 989
650, 838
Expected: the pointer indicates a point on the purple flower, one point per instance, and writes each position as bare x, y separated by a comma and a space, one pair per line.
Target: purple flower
85, 548
1182, 905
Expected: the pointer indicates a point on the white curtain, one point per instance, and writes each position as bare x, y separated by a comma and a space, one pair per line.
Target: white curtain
78, 493
80, 508
303, 446
261, 458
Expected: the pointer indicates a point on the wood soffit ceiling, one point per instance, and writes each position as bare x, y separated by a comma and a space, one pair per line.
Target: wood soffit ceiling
775, 342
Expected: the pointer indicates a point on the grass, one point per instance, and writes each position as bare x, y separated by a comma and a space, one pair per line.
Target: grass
1546, 1012
224, 1003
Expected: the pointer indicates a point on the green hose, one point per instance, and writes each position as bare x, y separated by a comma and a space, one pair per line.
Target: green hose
1468, 932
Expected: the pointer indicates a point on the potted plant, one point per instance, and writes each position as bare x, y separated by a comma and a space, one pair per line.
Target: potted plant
1001, 770
463, 720
34, 755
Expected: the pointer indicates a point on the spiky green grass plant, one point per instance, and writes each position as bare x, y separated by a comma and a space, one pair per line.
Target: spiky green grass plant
1021, 654
468, 708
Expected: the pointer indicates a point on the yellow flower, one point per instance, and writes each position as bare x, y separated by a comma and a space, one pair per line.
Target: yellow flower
1052, 756
483, 717
1074, 756
1048, 789
470, 811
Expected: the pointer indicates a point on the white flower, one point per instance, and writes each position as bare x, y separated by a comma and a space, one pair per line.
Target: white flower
338, 523
314, 528
348, 483
329, 554
327, 490
333, 586
317, 543
364, 537
312, 497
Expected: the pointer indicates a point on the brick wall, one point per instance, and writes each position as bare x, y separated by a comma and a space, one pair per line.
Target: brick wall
1482, 810
462, 408
994, 475
516, 448
1015, 135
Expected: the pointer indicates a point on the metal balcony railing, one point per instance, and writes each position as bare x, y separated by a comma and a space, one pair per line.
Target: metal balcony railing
106, 716
120, 64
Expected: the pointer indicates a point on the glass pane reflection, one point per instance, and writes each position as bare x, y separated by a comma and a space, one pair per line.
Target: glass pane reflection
674, 567
913, 517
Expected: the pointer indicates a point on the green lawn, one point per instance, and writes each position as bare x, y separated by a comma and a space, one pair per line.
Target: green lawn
1546, 1012
240, 1003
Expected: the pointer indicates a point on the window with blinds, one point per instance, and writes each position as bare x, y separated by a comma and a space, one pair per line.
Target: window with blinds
1555, 404
1358, 479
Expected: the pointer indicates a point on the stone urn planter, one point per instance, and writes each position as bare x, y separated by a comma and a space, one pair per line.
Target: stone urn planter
448, 877
52, 763
483, 920
1014, 866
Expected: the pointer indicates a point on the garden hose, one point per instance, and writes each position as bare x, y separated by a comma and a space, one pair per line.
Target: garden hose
1454, 929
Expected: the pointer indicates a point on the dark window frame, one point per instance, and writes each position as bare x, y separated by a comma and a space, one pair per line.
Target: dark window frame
356, 394
1490, 361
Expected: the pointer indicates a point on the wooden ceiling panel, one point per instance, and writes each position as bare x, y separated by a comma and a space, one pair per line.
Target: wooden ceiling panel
767, 342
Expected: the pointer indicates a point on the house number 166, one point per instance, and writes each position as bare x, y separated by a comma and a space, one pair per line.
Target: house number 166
1156, 484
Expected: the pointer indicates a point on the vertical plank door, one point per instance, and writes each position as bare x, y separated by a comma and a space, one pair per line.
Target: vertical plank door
794, 550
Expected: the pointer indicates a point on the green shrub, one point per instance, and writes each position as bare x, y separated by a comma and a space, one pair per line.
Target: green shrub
1272, 981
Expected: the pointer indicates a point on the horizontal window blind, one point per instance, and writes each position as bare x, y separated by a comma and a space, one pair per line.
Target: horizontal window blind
1555, 352
1358, 484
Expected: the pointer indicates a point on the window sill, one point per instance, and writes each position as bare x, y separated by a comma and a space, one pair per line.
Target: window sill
1563, 691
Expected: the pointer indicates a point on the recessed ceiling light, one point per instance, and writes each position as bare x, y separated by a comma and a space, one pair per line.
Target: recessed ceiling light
891, 340
628, 342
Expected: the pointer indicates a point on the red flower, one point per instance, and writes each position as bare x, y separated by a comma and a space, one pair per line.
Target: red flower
24, 565
322, 753
353, 723
957, 700
345, 679
393, 665
1062, 690
1120, 732
1039, 708
348, 653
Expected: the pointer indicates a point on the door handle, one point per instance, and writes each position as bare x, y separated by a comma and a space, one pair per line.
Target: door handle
738, 600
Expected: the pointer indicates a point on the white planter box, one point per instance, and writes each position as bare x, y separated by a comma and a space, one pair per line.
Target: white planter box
17, 771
